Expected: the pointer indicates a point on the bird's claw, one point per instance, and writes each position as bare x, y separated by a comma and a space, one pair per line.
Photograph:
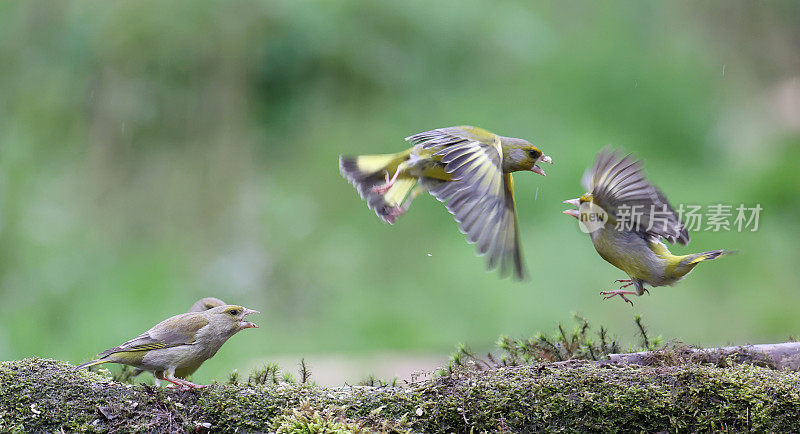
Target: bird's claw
180, 384
381, 189
619, 292
389, 182
630, 282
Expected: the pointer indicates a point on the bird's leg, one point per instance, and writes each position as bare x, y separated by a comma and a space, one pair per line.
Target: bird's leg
382, 189
175, 382
619, 292
394, 212
183, 383
630, 282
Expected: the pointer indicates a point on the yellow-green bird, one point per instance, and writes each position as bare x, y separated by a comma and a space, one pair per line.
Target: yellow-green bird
469, 169
627, 217
174, 348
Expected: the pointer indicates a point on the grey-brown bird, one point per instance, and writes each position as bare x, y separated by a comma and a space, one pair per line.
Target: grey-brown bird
206, 304
467, 168
174, 348
198, 306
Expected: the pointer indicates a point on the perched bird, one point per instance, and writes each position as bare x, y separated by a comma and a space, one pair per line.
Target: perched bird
199, 306
627, 218
206, 304
467, 168
174, 348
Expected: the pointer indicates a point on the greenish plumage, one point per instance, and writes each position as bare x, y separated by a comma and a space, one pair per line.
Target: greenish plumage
627, 217
174, 348
467, 168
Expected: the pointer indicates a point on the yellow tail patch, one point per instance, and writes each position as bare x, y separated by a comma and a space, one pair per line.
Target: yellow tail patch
399, 191
376, 163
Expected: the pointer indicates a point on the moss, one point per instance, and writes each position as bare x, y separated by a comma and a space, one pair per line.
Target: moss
46, 395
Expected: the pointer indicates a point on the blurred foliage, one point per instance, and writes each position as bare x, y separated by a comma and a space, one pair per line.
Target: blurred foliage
582, 343
153, 153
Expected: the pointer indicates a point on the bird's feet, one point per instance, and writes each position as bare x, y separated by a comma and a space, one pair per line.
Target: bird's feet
382, 189
630, 282
184, 384
619, 292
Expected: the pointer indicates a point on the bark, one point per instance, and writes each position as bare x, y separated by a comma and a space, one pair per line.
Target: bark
784, 356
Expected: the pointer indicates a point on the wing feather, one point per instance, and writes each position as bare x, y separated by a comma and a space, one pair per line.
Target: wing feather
618, 182
172, 332
480, 196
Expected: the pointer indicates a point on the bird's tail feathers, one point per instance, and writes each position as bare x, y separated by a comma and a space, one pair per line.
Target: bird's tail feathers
366, 172
91, 363
711, 254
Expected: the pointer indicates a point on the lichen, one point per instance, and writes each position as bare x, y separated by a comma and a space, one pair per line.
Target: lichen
47, 395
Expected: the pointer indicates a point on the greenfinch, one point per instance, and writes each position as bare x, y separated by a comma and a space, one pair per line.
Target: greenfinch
627, 218
469, 170
199, 306
174, 348
206, 304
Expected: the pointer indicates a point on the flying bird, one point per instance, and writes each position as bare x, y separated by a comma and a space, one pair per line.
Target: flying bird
469, 170
627, 218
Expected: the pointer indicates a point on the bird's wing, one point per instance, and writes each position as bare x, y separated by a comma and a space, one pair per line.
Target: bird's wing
618, 185
172, 332
480, 196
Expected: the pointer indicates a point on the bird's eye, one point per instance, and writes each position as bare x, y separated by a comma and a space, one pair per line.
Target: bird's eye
534, 154
233, 312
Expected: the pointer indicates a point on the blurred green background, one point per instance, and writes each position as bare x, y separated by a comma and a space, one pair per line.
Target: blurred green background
152, 153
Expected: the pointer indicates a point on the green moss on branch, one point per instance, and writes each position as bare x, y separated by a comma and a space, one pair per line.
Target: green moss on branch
47, 395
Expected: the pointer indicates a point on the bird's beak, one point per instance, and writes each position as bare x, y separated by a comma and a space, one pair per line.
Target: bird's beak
248, 324
537, 169
573, 212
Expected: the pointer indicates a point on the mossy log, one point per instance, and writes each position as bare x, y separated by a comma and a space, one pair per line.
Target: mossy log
48, 395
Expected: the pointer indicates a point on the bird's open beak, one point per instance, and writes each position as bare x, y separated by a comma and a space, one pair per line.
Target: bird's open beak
573, 212
537, 169
248, 324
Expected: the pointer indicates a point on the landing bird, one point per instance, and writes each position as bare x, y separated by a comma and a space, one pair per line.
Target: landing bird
627, 218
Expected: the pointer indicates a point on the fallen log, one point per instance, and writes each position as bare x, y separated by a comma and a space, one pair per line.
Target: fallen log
784, 356
48, 395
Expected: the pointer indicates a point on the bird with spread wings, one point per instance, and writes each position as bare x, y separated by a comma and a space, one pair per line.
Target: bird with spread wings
469, 170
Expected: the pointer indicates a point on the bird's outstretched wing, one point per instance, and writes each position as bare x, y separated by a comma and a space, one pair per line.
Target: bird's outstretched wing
172, 332
480, 196
618, 185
